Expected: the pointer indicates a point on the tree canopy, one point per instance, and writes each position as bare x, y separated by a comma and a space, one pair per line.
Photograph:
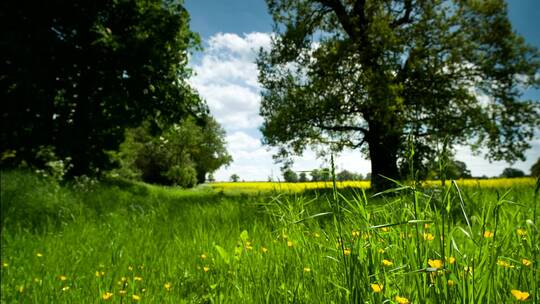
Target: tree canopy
366, 74
75, 74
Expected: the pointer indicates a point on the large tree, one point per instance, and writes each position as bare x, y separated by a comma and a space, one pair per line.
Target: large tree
351, 73
74, 74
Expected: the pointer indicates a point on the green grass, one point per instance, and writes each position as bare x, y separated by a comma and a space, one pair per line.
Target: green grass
213, 247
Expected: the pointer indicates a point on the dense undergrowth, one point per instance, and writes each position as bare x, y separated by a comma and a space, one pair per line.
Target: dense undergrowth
119, 241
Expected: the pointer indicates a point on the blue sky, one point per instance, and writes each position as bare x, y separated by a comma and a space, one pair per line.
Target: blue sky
226, 76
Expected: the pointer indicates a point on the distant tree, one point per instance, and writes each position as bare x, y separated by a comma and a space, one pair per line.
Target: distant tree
290, 176
453, 169
535, 169
75, 74
326, 175
368, 176
345, 175
358, 177
211, 178
183, 154
315, 175
302, 177
235, 177
512, 172
367, 74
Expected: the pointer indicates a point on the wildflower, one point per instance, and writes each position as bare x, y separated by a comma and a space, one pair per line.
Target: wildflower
468, 269
5, 265
347, 251
137, 278
107, 296
100, 273
428, 237
355, 233
385, 229
136, 297
376, 287
526, 262
504, 264
488, 234
402, 300
521, 232
520, 295
427, 225
307, 269
437, 264
65, 288
206, 268
62, 278
122, 292
284, 236
451, 283
203, 256
264, 249
387, 263
21, 289
451, 260
290, 243
315, 234
168, 286
39, 255
381, 251
130, 268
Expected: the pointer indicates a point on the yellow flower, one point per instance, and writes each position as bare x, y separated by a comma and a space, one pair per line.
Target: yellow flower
526, 262
381, 250
451, 283
387, 263
427, 225
136, 297
168, 286
428, 237
317, 235
451, 260
521, 232
520, 295
377, 287
385, 229
307, 269
203, 256
39, 255
488, 234
65, 288
21, 289
100, 273
130, 268
5, 265
347, 251
290, 243
62, 278
355, 233
122, 292
137, 278
107, 296
206, 268
504, 264
264, 249
402, 300
437, 264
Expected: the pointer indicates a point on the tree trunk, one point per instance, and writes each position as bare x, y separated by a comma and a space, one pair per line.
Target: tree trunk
383, 150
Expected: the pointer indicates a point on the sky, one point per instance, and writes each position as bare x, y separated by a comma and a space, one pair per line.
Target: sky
225, 75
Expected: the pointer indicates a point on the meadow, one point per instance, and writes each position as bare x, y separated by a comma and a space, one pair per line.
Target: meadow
122, 242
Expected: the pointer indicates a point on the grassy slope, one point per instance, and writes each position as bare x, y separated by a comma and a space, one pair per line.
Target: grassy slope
195, 241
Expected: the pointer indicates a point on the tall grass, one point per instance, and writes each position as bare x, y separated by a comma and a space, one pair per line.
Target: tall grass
122, 242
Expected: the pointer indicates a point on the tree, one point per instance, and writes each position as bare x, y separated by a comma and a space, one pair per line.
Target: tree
182, 154
302, 177
512, 172
75, 74
290, 176
315, 175
235, 177
366, 74
345, 175
535, 169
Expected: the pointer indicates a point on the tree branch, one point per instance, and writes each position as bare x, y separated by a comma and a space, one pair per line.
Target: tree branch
406, 18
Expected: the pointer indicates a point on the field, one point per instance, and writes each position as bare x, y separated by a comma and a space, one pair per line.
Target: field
123, 242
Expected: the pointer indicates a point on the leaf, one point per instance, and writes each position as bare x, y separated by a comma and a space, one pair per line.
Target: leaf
244, 236
223, 254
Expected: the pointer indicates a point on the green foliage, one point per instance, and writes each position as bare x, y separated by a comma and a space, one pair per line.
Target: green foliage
302, 177
235, 178
183, 154
512, 172
346, 175
75, 74
356, 73
290, 176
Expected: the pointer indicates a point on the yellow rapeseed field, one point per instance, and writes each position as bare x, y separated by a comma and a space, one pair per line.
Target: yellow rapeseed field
299, 187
